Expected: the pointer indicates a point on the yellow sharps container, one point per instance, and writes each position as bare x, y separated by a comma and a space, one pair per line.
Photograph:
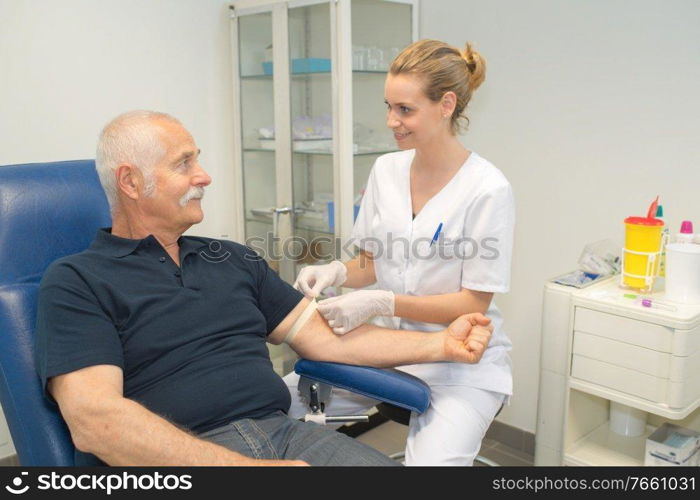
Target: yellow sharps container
642, 252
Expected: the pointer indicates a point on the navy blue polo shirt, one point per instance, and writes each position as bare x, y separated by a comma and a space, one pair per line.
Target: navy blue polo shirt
191, 340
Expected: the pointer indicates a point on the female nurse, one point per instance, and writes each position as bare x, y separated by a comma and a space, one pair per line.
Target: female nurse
435, 232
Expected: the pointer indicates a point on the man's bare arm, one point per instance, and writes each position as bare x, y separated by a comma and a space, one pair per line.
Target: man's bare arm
465, 340
122, 432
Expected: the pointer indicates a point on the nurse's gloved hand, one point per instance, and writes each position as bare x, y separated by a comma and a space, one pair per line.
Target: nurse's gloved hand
349, 311
313, 279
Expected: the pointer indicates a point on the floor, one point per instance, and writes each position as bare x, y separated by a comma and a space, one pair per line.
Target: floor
390, 437
9, 461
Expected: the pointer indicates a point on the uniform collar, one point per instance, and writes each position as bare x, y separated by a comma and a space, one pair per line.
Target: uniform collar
116, 246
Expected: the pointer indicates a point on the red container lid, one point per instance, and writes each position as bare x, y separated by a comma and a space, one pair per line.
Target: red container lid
644, 221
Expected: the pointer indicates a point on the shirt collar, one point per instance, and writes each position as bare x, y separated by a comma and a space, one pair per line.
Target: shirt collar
116, 246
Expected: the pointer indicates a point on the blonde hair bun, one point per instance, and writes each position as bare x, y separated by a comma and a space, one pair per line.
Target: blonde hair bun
476, 65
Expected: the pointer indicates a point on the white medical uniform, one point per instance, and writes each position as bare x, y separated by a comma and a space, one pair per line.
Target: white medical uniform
473, 251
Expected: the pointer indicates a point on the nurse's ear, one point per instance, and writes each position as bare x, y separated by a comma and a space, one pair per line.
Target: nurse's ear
448, 104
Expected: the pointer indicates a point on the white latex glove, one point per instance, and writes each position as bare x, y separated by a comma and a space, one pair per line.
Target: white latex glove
349, 311
313, 279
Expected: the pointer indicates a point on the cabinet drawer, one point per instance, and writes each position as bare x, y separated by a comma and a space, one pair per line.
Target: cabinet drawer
617, 353
633, 382
636, 332
656, 363
616, 377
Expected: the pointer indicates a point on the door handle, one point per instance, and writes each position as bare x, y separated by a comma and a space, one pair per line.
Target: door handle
276, 212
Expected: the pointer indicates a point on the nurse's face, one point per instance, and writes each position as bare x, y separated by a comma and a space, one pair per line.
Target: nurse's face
414, 119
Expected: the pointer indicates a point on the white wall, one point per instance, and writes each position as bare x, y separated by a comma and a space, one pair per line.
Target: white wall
591, 109
68, 67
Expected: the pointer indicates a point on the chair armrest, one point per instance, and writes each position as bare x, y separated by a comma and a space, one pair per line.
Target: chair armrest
385, 384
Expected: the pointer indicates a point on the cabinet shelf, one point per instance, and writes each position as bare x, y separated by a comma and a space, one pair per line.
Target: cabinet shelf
311, 74
604, 447
305, 227
320, 153
635, 402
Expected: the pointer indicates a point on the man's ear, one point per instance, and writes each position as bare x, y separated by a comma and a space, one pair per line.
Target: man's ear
129, 181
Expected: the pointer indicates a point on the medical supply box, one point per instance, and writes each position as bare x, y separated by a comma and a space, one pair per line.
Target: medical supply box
673, 445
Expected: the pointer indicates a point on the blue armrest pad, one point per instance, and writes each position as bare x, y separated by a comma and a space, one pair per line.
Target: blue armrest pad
388, 385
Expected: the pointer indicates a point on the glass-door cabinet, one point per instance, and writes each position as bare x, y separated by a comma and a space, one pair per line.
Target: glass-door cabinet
309, 121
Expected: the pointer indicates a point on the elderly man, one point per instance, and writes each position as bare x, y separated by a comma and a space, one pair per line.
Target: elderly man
154, 349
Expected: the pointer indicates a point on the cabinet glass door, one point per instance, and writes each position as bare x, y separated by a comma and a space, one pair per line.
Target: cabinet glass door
310, 121
312, 134
257, 130
380, 30
310, 106
264, 212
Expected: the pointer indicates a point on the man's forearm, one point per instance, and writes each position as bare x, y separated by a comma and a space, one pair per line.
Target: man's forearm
132, 435
375, 346
122, 432
464, 340
371, 345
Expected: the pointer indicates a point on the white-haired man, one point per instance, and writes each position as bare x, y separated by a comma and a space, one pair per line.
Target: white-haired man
156, 352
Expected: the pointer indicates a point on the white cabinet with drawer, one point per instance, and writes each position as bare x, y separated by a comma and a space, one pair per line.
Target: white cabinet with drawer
651, 361
599, 346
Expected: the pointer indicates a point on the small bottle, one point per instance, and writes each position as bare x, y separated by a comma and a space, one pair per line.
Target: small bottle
686, 234
664, 241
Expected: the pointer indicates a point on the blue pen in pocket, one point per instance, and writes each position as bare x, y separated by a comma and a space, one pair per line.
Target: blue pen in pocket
437, 234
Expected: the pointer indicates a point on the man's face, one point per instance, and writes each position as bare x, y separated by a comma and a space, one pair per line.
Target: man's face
179, 182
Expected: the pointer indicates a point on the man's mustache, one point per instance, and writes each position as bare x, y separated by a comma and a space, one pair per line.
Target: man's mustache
194, 193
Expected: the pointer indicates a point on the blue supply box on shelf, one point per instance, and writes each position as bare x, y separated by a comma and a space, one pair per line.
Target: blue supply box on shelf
306, 65
673, 445
331, 215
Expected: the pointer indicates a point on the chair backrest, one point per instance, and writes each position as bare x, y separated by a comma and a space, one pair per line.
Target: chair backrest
47, 211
